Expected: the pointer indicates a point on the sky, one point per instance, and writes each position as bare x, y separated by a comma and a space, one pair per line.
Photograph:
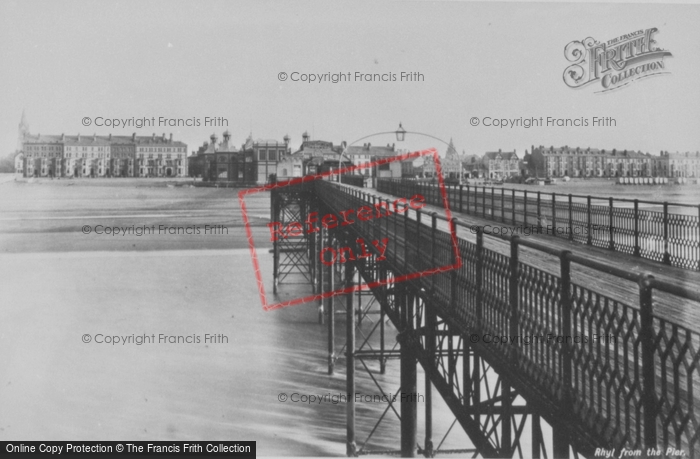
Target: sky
62, 61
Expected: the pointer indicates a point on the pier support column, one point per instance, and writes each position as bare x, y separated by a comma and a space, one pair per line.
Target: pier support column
506, 419
329, 309
321, 274
430, 349
275, 213
350, 359
560, 443
536, 435
409, 406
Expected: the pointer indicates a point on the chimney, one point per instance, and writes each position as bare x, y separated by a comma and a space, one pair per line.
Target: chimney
154, 137
133, 137
164, 137
94, 137
63, 137
110, 136
171, 137
78, 137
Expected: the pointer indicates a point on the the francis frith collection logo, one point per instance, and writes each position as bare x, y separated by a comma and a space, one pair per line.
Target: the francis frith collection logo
616, 63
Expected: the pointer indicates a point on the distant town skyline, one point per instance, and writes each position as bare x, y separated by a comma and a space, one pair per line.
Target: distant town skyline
224, 60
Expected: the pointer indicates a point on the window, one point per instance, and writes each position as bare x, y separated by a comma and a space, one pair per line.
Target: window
263, 155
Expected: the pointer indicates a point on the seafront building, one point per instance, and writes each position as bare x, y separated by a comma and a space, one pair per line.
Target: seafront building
451, 164
101, 156
259, 161
593, 162
254, 162
681, 165
500, 165
262, 160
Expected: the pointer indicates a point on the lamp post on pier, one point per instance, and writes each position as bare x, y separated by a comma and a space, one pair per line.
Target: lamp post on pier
400, 134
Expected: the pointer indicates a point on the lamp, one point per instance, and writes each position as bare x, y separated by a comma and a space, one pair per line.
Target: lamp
400, 133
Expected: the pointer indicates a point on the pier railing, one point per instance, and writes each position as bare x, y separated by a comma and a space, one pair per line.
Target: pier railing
355, 180
637, 385
670, 235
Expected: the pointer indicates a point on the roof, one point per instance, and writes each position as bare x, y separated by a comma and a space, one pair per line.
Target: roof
687, 155
318, 148
28, 138
566, 150
451, 151
268, 142
471, 159
94, 139
226, 146
250, 143
368, 150
316, 161
505, 155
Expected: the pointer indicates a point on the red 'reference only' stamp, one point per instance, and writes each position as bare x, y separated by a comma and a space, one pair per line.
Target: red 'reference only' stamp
364, 247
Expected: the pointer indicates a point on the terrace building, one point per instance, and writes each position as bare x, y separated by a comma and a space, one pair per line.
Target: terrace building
590, 162
160, 156
85, 156
677, 165
42, 155
100, 156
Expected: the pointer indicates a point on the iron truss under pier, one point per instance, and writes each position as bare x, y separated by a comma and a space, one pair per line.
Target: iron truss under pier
639, 390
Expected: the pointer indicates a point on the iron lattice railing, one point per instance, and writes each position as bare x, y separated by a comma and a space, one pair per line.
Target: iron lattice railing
637, 386
618, 224
355, 180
